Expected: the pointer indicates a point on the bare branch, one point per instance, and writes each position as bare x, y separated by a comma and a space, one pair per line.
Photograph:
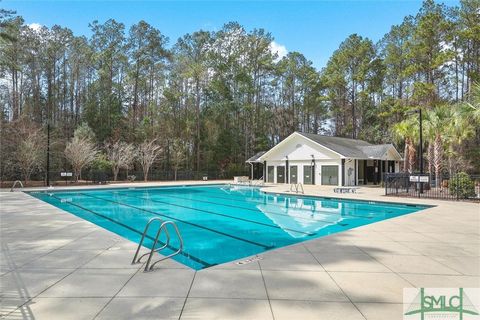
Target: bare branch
121, 155
148, 151
29, 154
80, 152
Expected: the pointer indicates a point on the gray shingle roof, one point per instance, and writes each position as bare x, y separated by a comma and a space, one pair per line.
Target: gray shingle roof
351, 148
256, 156
375, 151
345, 146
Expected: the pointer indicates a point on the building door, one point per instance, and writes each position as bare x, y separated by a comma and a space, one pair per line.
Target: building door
293, 174
391, 166
370, 174
280, 174
361, 172
330, 175
307, 175
270, 174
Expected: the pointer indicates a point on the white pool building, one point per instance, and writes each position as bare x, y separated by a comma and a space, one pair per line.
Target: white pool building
325, 160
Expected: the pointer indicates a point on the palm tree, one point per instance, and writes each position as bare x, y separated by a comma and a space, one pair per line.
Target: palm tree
407, 130
437, 126
430, 158
472, 107
460, 127
447, 127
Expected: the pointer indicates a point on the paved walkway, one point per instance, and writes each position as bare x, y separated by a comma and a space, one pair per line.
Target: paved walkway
57, 266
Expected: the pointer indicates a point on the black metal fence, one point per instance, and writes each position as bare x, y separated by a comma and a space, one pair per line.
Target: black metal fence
458, 186
103, 177
170, 175
91, 176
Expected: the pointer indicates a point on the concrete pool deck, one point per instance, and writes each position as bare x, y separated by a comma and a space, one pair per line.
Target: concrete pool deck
55, 265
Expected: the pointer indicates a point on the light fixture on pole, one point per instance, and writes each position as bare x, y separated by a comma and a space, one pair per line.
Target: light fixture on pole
420, 155
419, 111
48, 145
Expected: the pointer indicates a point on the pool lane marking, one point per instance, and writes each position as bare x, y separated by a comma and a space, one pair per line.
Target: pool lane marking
216, 213
187, 255
251, 209
240, 199
184, 221
257, 202
355, 202
221, 214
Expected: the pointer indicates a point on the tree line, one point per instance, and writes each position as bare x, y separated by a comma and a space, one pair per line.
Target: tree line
210, 100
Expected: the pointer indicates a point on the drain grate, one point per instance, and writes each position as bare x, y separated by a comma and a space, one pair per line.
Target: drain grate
250, 260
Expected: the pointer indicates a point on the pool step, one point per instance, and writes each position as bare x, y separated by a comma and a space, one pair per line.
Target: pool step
163, 226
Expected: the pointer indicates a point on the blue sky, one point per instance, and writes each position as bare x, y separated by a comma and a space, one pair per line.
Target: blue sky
314, 28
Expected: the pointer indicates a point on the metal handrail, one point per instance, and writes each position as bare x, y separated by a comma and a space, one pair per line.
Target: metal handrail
291, 187
143, 238
296, 187
163, 226
258, 182
301, 187
15, 184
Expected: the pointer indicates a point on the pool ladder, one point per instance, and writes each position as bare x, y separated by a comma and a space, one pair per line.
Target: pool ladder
15, 184
163, 226
297, 188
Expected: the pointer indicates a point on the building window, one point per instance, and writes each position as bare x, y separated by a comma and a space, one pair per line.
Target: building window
330, 175
280, 174
307, 174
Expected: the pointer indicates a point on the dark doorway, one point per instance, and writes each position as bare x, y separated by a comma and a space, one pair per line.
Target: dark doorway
280, 174
293, 174
370, 174
271, 174
391, 166
307, 175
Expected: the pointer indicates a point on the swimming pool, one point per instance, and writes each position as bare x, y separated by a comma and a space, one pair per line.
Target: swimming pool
220, 223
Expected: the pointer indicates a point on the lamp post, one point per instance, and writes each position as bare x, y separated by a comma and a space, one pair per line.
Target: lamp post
421, 140
48, 144
420, 155
313, 169
287, 173
419, 111
48, 152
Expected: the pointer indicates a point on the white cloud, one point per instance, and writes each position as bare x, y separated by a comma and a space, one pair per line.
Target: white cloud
279, 49
35, 26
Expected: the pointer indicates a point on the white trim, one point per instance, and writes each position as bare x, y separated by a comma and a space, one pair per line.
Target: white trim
341, 155
284, 141
300, 135
274, 147
398, 154
384, 158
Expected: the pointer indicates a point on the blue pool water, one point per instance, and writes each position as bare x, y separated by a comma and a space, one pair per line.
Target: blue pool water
221, 223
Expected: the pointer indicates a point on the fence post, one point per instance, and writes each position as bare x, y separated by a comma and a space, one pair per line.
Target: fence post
407, 182
457, 189
385, 180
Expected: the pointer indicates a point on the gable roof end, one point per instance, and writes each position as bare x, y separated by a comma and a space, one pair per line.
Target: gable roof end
255, 158
344, 146
375, 151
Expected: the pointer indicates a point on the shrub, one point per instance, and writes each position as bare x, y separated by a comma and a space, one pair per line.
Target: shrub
462, 186
101, 163
235, 170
